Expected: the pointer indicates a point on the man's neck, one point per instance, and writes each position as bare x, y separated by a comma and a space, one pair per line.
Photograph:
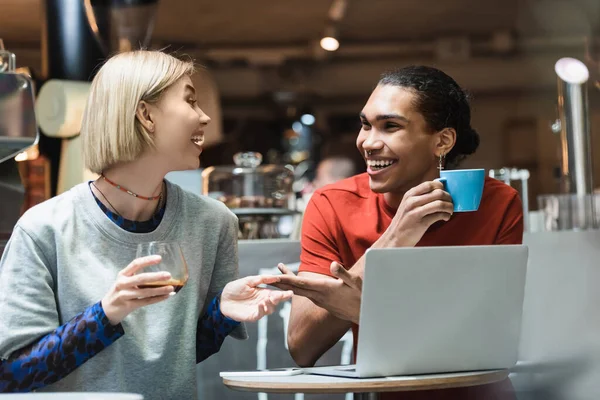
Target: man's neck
393, 199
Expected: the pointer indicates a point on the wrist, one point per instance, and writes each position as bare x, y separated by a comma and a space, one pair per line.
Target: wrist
389, 239
222, 306
110, 313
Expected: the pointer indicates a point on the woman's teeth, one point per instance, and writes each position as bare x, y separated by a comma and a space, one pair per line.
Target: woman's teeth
197, 139
379, 164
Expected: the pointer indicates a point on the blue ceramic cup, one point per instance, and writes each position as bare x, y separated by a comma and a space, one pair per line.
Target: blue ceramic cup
465, 187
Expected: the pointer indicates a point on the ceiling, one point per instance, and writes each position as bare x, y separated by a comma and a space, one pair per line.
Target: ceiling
258, 44
299, 21
267, 22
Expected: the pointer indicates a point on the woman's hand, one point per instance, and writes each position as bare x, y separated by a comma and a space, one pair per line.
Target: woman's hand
125, 295
242, 300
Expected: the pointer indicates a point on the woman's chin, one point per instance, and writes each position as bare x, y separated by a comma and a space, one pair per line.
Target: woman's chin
187, 166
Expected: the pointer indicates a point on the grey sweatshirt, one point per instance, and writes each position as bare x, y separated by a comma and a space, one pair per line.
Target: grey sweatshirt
64, 255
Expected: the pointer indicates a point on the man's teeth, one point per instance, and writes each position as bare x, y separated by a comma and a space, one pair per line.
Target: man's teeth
379, 164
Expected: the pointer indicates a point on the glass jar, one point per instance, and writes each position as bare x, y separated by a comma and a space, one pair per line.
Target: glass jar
249, 186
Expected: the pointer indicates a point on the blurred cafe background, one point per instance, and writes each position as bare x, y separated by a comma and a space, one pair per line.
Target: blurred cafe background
284, 81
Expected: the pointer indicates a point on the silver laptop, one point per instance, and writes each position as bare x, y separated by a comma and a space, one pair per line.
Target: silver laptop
432, 310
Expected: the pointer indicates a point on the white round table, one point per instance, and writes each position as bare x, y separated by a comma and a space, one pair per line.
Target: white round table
367, 388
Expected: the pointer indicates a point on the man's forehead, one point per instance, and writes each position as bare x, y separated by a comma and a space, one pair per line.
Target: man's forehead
388, 100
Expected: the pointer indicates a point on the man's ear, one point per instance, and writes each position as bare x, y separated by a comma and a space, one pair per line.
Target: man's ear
446, 141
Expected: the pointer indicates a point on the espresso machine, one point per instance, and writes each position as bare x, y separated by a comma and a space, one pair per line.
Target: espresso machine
18, 133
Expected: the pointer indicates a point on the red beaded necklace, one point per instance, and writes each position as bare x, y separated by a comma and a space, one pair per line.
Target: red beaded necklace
121, 188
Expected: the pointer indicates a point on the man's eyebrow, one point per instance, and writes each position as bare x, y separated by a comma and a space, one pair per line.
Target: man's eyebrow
383, 117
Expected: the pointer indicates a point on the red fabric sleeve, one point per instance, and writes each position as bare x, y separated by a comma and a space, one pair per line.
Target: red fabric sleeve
511, 230
318, 241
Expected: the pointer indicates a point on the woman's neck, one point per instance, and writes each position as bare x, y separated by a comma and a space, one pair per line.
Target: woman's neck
138, 177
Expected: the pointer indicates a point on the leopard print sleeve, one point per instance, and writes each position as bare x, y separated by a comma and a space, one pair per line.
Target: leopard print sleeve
60, 352
213, 328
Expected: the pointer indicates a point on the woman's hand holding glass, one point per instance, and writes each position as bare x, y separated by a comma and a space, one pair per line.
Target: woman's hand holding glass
172, 261
127, 294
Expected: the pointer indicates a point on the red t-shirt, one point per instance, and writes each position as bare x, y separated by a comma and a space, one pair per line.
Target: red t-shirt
343, 220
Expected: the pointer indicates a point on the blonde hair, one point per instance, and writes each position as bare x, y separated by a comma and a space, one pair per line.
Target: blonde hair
110, 131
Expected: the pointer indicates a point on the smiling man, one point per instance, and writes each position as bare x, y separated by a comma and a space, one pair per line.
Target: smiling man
416, 121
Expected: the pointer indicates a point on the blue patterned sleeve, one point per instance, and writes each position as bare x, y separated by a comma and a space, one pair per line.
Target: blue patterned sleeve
213, 328
59, 353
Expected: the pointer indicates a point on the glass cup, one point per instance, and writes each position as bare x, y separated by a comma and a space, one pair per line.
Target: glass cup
172, 262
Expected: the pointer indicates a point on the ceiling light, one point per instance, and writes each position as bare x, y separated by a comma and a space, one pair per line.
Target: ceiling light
571, 70
329, 43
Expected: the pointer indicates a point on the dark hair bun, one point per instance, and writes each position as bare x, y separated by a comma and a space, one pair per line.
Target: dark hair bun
470, 139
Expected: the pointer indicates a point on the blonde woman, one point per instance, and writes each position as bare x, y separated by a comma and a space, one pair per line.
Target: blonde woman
74, 317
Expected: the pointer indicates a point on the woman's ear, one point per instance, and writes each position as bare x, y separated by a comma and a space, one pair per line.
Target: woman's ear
446, 141
143, 115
